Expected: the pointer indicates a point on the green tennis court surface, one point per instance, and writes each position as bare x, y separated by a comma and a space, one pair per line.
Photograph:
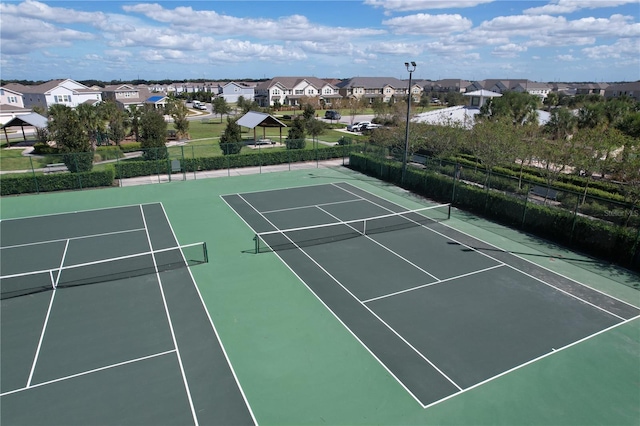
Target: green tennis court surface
89, 341
443, 312
412, 321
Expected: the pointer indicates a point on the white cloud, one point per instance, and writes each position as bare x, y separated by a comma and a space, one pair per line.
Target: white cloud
20, 35
565, 58
410, 5
621, 49
559, 7
293, 27
422, 23
510, 50
37, 10
396, 48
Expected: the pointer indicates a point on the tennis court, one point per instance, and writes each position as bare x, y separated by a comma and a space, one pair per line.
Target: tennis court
433, 317
441, 311
102, 321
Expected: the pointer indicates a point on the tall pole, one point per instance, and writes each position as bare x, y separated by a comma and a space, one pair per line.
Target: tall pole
411, 68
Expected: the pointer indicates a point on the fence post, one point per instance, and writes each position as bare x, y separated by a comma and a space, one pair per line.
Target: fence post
526, 202
35, 178
575, 217
184, 170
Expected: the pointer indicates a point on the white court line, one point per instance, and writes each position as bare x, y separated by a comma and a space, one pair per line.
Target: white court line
72, 238
84, 373
531, 361
46, 318
385, 247
215, 331
499, 261
433, 283
173, 334
77, 211
307, 207
420, 354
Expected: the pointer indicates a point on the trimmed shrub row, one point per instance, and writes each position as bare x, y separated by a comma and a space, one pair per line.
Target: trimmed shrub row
11, 184
592, 236
133, 168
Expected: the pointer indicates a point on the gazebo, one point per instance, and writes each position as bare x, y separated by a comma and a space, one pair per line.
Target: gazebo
479, 97
31, 120
254, 119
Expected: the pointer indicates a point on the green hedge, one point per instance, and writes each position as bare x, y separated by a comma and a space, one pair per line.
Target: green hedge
11, 184
133, 168
592, 236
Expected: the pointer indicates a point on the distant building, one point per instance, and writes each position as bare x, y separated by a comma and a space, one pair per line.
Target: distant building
591, 88
126, 95
231, 91
631, 90
63, 92
289, 91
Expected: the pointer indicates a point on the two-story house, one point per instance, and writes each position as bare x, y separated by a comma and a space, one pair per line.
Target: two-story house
11, 105
290, 90
65, 92
631, 89
231, 91
372, 88
126, 95
540, 90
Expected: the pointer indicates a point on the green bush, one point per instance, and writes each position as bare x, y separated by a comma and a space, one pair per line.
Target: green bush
44, 149
131, 147
12, 184
588, 234
295, 143
78, 162
108, 153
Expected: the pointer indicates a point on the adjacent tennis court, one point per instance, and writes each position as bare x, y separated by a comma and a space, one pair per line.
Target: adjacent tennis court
441, 311
316, 296
102, 321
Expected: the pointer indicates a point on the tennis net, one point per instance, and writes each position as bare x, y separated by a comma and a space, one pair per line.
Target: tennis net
287, 239
113, 269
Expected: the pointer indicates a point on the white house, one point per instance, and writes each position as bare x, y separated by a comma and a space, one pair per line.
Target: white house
540, 90
290, 90
231, 91
126, 95
66, 92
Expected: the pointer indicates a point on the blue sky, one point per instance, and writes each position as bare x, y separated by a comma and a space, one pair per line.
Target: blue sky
552, 40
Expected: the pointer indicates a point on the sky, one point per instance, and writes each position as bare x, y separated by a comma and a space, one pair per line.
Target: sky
545, 41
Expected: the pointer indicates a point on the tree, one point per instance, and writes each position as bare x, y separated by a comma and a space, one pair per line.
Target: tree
71, 138
91, 121
153, 134
562, 123
494, 143
315, 128
308, 112
519, 108
220, 106
134, 116
231, 138
118, 127
179, 111
296, 135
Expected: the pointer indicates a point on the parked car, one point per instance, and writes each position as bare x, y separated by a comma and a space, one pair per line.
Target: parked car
358, 126
332, 115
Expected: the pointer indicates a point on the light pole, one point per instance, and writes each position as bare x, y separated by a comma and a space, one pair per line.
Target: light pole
411, 67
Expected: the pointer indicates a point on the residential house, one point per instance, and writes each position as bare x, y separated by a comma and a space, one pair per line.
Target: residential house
631, 89
540, 90
289, 91
231, 91
495, 85
382, 88
591, 89
126, 95
64, 92
446, 85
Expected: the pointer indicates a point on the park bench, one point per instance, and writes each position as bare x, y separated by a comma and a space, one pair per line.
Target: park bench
544, 192
55, 167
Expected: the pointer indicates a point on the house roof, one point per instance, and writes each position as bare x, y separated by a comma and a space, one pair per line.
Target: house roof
254, 119
483, 93
31, 119
155, 99
291, 82
372, 82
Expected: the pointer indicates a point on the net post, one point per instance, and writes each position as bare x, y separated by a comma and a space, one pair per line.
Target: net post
206, 252
449, 212
257, 244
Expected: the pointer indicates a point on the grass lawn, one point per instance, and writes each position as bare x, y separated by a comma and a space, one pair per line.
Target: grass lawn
204, 137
